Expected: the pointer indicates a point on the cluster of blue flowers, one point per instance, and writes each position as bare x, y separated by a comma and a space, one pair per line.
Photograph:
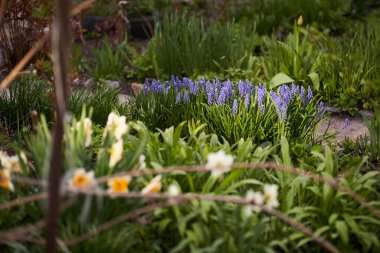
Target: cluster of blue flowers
226, 93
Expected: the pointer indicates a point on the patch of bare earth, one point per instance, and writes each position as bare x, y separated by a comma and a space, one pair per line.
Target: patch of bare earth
336, 123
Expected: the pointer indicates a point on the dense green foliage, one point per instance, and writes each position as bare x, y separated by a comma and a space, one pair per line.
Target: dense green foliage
331, 53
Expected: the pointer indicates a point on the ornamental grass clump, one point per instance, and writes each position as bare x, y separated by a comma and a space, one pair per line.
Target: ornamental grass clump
232, 110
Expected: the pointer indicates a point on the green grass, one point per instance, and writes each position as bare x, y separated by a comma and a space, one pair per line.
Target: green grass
26, 94
188, 46
350, 67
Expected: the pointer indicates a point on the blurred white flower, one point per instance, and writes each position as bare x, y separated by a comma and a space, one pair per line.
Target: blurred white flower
142, 164
123, 3
118, 184
271, 195
87, 125
5, 180
82, 180
153, 186
219, 162
173, 190
13, 163
257, 198
116, 153
116, 125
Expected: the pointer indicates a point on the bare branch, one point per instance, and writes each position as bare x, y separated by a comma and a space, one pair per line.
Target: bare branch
23, 200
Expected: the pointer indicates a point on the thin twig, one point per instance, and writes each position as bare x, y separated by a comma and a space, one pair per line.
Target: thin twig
194, 169
23, 200
29, 181
21, 233
176, 199
299, 226
270, 165
122, 218
16, 234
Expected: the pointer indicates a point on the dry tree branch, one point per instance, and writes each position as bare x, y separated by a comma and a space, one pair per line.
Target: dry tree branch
29, 181
60, 49
23, 200
178, 199
38, 46
18, 233
270, 165
115, 221
21, 233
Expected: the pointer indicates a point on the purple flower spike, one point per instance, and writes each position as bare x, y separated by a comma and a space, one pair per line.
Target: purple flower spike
261, 93
309, 94
178, 98
210, 95
156, 86
235, 106
222, 97
186, 98
302, 93
293, 91
187, 83
166, 86
346, 124
242, 89
247, 99
321, 107
146, 86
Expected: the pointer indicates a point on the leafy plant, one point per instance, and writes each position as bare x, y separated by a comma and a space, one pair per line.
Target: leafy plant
233, 111
187, 46
26, 94
110, 62
351, 68
102, 100
373, 125
269, 15
296, 59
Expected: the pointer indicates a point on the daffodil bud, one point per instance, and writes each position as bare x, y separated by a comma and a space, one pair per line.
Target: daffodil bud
300, 21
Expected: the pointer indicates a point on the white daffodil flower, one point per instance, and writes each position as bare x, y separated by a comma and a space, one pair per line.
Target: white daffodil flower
118, 184
142, 164
12, 163
257, 198
116, 153
116, 125
173, 190
271, 195
5, 180
219, 163
87, 125
82, 180
153, 186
